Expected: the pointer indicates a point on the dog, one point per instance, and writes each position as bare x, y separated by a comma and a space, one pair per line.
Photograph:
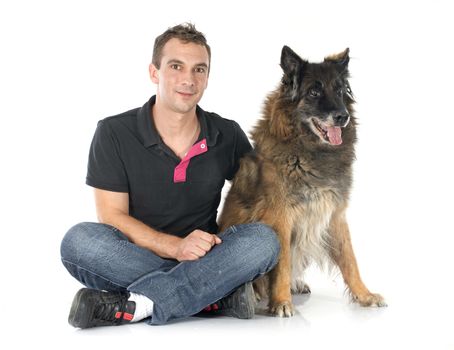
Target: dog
299, 176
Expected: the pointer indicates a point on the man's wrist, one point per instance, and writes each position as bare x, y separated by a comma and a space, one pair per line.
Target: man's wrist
168, 245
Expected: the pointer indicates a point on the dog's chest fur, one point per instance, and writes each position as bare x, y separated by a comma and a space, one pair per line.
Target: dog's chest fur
314, 196
310, 235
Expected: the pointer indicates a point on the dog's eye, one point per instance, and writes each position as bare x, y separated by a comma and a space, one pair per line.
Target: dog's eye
314, 93
348, 90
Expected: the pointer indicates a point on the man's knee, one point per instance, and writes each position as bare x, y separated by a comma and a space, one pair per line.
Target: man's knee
84, 237
270, 240
75, 239
264, 241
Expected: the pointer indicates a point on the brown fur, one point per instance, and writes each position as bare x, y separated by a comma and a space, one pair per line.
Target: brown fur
299, 186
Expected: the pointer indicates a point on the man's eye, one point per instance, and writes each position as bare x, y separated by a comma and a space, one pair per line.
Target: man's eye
200, 70
175, 66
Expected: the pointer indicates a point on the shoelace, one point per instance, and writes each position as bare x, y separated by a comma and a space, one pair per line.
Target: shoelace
109, 311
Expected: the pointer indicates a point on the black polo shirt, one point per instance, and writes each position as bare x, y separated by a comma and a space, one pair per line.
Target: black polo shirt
167, 193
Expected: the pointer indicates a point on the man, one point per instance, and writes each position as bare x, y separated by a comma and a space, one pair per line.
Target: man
157, 173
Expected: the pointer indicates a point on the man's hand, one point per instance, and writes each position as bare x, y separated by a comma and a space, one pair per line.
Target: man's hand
195, 245
113, 209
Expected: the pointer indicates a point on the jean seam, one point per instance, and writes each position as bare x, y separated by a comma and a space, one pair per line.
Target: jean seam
93, 273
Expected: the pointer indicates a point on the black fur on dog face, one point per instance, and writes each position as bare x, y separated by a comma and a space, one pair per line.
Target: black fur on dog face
321, 93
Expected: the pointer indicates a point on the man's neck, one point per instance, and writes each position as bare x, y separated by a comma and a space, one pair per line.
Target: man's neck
171, 125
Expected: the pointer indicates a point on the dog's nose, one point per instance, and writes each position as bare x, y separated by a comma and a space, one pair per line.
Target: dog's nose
341, 118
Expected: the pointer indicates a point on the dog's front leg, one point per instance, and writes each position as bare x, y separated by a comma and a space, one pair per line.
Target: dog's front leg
280, 297
342, 254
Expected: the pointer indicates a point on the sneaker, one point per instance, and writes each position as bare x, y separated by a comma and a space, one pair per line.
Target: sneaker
239, 304
93, 308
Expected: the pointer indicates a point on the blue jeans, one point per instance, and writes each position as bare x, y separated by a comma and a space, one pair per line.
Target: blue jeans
101, 257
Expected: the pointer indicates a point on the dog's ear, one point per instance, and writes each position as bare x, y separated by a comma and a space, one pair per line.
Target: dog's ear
340, 60
290, 61
293, 66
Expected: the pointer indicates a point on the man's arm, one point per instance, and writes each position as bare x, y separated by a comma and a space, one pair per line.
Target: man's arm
113, 209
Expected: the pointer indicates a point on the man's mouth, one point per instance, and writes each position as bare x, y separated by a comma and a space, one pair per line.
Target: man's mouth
327, 133
186, 93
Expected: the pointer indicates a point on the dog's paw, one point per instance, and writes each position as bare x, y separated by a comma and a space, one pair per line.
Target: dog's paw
370, 299
301, 288
282, 309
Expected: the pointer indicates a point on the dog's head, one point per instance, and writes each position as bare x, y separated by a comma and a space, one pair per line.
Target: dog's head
320, 92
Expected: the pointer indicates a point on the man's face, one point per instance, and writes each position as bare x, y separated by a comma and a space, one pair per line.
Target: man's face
182, 77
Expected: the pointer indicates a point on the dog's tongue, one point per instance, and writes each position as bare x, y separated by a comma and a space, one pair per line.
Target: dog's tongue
335, 135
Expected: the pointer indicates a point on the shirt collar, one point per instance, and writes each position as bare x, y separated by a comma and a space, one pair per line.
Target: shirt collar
150, 135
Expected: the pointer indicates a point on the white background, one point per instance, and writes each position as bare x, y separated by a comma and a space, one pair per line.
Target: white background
66, 64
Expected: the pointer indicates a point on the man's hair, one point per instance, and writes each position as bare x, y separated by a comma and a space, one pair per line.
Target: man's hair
184, 32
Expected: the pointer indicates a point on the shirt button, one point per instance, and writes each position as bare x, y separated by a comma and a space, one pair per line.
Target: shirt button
202, 146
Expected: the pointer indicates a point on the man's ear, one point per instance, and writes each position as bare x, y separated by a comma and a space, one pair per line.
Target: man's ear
153, 73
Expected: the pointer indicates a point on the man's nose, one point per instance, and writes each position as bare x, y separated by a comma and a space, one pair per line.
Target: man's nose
188, 78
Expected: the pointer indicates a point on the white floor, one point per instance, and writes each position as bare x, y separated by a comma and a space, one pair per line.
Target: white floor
420, 319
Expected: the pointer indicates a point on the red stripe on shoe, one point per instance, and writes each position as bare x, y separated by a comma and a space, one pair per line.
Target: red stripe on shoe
128, 317
118, 314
